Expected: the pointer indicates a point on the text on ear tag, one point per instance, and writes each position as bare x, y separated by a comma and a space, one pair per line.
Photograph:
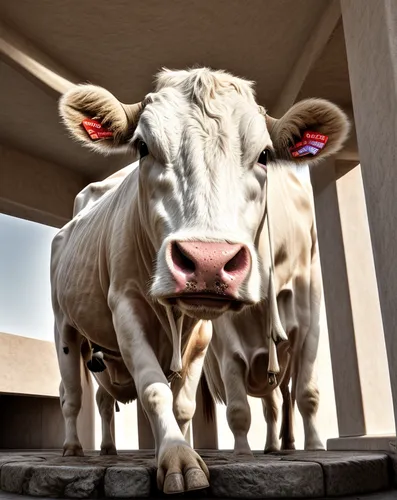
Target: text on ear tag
96, 130
311, 144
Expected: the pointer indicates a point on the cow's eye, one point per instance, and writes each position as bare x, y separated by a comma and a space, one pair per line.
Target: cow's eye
263, 157
143, 149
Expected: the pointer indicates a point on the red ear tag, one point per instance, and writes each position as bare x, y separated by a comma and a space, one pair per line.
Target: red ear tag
311, 144
315, 137
96, 130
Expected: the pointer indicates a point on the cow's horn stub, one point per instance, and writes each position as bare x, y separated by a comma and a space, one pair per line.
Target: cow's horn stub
133, 112
270, 121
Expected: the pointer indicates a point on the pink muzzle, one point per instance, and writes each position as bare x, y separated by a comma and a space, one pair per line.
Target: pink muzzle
216, 268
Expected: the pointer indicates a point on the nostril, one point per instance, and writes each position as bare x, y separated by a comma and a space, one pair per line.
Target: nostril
180, 260
237, 262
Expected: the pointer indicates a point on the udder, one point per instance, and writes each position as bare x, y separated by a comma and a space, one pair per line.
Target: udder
257, 380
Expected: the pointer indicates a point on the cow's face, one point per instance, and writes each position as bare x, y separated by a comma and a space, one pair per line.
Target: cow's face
204, 147
202, 179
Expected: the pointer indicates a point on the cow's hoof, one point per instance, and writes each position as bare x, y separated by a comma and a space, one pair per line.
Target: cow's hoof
315, 447
289, 445
271, 448
243, 454
195, 479
181, 469
174, 483
73, 451
108, 450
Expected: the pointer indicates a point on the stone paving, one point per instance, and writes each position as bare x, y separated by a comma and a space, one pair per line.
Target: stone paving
384, 495
297, 474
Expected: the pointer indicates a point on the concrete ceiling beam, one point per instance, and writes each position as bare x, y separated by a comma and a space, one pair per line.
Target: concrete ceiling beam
36, 190
307, 58
29, 60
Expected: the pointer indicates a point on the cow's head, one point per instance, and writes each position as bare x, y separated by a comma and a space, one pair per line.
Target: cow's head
204, 146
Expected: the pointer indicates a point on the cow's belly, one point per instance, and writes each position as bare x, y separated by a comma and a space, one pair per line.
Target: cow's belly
116, 379
123, 394
98, 328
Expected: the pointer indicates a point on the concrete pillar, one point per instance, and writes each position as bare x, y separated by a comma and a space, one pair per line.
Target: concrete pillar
364, 298
348, 398
371, 34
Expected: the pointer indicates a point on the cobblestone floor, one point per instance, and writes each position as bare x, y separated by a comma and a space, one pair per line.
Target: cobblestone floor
387, 495
284, 475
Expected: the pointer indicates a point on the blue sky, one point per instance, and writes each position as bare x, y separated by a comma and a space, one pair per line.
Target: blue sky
25, 300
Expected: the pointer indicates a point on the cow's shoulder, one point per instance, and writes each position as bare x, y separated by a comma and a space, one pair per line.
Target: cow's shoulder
95, 191
294, 206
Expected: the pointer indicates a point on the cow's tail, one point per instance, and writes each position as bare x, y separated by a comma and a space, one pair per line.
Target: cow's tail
86, 373
207, 400
85, 356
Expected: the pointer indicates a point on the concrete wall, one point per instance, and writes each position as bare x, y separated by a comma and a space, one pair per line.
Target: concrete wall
28, 366
30, 422
30, 415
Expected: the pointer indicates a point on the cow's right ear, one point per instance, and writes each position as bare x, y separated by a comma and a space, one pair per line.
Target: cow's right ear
324, 119
97, 119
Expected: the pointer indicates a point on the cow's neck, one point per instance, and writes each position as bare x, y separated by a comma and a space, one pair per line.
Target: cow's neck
145, 252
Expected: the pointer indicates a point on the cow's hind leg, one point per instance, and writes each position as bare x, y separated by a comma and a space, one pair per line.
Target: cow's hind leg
305, 387
238, 412
105, 404
270, 404
307, 397
287, 423
288, 406
68, 343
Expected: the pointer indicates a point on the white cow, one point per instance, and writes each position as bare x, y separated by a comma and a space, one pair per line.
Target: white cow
238, 361
146, 263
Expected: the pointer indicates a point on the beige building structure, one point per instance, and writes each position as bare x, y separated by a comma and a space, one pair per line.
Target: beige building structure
345, 51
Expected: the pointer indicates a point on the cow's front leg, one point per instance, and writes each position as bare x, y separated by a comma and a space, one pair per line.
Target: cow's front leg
184, 388
68, 343
287, 426
180, 468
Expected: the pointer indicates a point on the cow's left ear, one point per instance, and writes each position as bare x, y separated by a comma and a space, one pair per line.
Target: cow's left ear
311, 115
97, 119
